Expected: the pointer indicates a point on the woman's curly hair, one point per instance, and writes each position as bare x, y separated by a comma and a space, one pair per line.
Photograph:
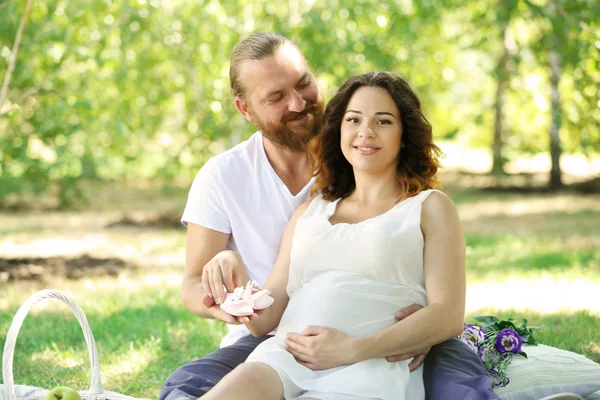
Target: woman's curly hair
418, 161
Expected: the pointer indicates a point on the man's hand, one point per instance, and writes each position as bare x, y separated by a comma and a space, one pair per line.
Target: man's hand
419, 356
224, 269
215, 310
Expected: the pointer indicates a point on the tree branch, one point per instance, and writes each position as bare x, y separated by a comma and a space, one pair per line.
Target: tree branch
36, 89
13, 57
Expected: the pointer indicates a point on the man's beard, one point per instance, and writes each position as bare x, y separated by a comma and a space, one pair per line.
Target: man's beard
298, 137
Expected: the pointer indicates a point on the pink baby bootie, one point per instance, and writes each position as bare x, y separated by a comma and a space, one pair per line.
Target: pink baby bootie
245, 299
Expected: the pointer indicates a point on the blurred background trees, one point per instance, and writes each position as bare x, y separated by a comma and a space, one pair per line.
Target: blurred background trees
137, 90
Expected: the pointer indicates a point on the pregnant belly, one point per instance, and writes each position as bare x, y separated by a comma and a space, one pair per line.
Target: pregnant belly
352, 303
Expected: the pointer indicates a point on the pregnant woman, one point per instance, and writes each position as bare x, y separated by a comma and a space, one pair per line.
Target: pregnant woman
376, 237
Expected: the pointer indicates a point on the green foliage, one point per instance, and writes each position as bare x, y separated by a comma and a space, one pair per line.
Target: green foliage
124, 89
494, 325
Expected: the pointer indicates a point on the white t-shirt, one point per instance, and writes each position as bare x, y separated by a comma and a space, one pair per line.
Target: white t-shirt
238, 192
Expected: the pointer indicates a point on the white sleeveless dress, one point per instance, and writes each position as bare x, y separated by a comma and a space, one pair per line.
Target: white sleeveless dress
352, 277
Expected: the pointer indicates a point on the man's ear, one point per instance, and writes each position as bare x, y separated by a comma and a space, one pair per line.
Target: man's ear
241, 105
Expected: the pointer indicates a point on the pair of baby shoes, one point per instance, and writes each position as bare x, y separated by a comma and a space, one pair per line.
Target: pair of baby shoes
246, 299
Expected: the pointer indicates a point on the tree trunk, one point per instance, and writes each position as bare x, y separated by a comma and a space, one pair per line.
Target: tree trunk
88, 166
502, 70
555, 122
13, 56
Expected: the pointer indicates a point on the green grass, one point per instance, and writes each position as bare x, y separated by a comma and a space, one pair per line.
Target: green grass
144, 332
142, 335
500, 257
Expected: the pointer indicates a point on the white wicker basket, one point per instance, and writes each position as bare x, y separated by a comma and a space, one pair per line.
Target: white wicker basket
10, 391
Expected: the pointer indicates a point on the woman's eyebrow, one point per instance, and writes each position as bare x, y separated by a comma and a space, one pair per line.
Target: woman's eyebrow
377, 113
385, 113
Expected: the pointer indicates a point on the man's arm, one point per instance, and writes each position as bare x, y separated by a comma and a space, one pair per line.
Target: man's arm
205, 245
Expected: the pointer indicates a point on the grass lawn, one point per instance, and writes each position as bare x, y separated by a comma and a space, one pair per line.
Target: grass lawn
534, 257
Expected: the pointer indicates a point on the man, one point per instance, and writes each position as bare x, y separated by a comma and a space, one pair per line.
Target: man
240, 204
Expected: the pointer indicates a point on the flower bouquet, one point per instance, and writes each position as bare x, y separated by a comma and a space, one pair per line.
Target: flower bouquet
496, 342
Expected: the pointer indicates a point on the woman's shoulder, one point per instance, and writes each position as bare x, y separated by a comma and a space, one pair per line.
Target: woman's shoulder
310, 206
303, 207
433, 196
437, 207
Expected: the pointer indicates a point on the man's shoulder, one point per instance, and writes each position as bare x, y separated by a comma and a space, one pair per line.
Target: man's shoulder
237, 157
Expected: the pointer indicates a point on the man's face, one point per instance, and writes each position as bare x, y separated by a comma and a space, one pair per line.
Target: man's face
282, 98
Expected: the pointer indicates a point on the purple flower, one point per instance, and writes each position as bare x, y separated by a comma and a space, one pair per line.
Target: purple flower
498, 379
469, 343
488, 355
484, 353
508, 341
474, 334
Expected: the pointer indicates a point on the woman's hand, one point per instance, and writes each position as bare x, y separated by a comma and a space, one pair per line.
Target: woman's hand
319, 347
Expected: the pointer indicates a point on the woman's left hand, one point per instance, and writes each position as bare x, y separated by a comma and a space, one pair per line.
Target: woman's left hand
319, 347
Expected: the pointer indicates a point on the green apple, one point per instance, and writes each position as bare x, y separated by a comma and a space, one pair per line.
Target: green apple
62, 393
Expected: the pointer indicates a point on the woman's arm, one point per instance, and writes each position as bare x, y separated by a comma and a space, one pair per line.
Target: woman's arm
444, 269
277, 281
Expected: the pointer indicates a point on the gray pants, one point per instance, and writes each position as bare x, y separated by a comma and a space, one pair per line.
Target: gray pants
451, 371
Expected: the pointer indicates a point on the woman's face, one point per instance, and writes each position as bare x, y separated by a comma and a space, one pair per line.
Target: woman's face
371, 131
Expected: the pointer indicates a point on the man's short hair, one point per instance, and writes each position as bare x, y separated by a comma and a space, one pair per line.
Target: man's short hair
255, 47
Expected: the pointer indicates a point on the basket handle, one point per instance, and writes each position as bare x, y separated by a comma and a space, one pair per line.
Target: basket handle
13, 331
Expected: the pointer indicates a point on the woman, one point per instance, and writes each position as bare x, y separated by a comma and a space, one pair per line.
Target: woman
372, 239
